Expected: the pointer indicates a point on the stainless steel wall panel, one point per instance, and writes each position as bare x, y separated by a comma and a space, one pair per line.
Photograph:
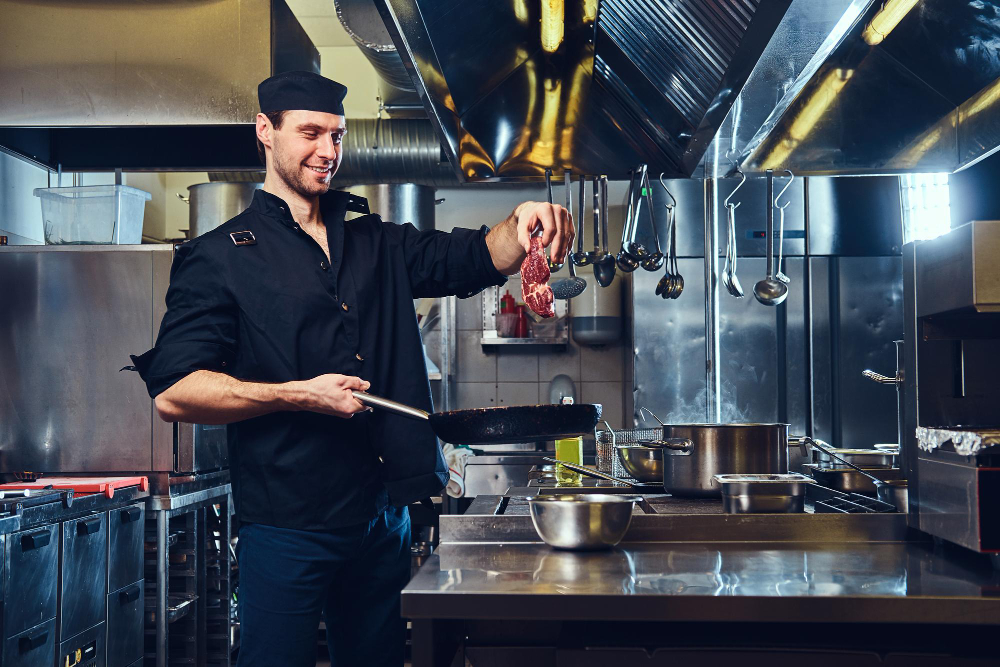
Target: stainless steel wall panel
795, 408
71, 318
162, 432
113, 62
821, 342
855, 216
670, 346
749, 354
871, 318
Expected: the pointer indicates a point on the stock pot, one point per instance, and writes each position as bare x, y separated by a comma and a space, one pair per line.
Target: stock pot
721, 449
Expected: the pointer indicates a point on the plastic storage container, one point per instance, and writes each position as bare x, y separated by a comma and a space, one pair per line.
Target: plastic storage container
93, 214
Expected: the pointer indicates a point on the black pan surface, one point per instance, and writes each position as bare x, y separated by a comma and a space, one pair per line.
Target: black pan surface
515, 423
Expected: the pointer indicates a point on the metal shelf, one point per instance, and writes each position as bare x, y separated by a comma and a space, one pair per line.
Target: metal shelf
524, 341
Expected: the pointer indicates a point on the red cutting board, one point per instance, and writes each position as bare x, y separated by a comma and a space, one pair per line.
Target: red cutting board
105, 485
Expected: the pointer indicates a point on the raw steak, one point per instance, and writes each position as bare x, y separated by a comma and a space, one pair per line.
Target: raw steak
535, 280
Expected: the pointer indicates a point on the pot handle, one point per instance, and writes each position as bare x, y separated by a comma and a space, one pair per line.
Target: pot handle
683, 445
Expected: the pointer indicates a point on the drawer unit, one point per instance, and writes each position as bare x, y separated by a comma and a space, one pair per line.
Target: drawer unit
84, 567
31, 569
125, 530
87, 649
35, 647
125, 632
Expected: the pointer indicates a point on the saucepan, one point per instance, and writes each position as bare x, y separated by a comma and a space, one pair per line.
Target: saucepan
721, 449
497, 425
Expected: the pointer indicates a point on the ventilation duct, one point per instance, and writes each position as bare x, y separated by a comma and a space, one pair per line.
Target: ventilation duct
362, 22
386, 151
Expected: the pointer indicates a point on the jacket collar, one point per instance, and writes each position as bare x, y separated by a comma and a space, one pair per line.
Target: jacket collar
332, 205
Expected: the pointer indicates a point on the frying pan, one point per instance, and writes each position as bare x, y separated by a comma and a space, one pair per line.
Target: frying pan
489, 426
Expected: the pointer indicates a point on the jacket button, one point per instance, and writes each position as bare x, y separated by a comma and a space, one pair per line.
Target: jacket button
323, 265
359, 357
344, 306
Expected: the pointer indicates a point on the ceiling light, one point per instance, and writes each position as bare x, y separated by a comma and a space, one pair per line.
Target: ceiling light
886, 19
553, 20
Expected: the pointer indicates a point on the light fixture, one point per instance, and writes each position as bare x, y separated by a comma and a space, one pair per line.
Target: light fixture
886, 19
553, 24
926, 203
589, 11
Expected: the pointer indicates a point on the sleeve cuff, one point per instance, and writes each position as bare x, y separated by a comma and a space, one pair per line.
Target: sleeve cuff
164, 365
484, 272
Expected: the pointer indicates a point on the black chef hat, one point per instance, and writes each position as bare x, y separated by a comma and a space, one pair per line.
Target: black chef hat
301, 90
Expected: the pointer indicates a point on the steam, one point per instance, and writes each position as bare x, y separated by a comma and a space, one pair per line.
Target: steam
694, 411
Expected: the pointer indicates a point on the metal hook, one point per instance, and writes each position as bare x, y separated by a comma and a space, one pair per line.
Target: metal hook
744, 180
791, 177
663, 185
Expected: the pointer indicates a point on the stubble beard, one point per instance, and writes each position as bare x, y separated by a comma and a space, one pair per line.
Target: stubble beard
291, 173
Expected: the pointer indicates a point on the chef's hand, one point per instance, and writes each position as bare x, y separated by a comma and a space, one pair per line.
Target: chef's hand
330, 394
509, 241
556, 224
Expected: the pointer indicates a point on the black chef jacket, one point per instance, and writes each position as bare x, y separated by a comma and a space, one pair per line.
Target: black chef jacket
277, 310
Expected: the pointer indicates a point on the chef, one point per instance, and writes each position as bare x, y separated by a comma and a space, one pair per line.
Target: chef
272, 320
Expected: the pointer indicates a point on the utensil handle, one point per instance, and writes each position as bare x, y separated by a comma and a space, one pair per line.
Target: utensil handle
579, 221
881, 379
391, 406
829, 453
676, 444
583, 470
769, 174
604, 212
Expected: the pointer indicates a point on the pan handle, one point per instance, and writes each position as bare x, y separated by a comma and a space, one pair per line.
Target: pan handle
590, 472
392, 406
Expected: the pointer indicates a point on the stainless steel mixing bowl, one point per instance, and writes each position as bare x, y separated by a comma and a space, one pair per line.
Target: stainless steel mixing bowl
645, 464
583, 521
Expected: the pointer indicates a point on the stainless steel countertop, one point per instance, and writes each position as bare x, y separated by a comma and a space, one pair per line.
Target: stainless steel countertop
890, 582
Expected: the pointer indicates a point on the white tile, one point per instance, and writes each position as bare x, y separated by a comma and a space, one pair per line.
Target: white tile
517, 393
553, 362
473, 364
475, 395
517, 365
609, 395
326, 31
469, 313
601, 363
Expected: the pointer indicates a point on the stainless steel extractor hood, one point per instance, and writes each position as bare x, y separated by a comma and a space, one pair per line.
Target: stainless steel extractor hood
105, 84
902, 86
596, 87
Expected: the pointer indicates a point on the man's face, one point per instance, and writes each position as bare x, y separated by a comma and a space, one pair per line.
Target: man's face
306, 150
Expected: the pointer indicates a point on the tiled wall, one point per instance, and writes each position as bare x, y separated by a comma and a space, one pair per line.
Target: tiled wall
504, 376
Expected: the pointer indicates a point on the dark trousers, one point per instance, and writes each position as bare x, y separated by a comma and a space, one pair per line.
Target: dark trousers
352, 575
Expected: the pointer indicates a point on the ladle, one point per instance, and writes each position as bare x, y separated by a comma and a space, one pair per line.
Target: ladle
769, 291
729, 278
779, 274
879, 483
568, 288
582, 257
633, 248
604, 267
553, 266
625, 260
